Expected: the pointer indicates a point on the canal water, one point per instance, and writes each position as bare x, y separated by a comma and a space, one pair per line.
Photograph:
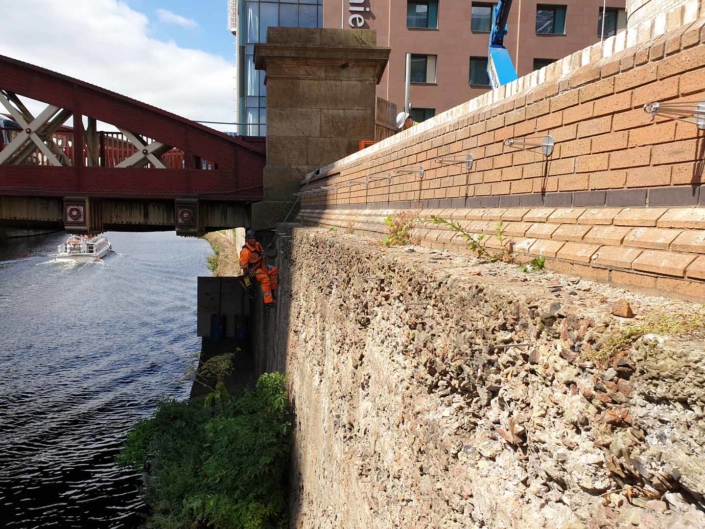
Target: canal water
87, 350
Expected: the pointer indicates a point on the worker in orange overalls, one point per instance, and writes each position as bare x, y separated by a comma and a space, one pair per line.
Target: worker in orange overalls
252, 261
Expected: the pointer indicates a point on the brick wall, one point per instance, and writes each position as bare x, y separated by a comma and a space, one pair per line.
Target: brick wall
608, 151
641, 10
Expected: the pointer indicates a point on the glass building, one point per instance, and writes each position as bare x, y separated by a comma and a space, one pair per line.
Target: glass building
249, 21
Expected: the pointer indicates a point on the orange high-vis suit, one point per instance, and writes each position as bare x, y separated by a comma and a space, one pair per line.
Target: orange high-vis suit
252, 261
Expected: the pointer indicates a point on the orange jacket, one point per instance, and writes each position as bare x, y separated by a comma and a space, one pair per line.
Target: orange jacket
251, 257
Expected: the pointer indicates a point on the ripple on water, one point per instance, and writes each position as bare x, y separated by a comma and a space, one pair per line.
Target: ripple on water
87, 352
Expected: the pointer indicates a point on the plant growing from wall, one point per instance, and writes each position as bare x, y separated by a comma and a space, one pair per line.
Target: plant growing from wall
226, 470
535, 265
399, 228
212, 262
477, 242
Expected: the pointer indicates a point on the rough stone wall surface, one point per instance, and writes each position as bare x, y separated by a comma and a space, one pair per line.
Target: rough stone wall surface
432, 390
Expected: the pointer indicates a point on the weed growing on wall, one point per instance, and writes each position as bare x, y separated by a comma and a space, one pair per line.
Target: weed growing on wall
535, 265
671, 319
477, 243
212, 260
399, 228
224, 466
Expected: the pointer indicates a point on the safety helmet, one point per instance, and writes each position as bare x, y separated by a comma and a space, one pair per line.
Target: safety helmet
401, 118
250, 234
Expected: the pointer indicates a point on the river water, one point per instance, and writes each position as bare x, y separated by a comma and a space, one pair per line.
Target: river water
86, 350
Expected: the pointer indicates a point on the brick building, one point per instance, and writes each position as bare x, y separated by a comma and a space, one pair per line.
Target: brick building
448, 41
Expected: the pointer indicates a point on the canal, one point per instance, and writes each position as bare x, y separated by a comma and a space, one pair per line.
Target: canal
87, 350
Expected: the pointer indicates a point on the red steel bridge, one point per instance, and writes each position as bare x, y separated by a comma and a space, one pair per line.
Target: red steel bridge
159, 171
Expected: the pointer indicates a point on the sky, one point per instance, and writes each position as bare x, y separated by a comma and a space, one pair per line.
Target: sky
177, 55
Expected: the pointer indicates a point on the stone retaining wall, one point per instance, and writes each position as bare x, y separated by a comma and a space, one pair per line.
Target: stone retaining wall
434, 391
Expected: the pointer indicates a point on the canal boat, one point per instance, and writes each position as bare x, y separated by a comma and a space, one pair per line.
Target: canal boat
84, 248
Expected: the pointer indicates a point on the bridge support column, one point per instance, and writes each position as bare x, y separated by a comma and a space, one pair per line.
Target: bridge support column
83, 215
320, 103
187, 219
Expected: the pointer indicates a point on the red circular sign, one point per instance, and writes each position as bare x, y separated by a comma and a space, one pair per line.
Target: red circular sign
75, 213
185, 215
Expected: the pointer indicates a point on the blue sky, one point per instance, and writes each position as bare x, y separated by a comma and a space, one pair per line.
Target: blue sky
175, 54
210, 35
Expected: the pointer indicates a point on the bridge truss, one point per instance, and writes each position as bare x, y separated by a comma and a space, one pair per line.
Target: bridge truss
155, 156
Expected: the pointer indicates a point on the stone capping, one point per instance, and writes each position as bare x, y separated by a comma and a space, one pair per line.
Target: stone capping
336, 56
653, 245
560, 70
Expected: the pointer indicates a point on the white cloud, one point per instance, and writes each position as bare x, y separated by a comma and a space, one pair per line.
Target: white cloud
106, 43
172, 18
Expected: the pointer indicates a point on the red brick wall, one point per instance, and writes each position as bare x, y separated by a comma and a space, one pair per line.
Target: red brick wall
621, 199
604, 141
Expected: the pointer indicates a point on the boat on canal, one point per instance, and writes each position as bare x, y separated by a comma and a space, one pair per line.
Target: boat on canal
84, 248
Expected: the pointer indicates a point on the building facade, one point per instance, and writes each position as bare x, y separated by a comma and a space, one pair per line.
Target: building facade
249, 20
447, 40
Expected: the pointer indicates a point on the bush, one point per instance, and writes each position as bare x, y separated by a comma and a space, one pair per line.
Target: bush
212, 262
399, 228
224, 465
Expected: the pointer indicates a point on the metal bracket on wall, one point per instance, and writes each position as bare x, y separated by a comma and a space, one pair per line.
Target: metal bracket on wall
388, 178
456, 160
686, 111
545, 143
419, 171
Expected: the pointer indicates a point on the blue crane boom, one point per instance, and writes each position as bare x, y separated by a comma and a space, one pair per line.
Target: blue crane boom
499, 64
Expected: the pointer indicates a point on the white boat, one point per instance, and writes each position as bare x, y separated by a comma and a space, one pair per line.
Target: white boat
84, 248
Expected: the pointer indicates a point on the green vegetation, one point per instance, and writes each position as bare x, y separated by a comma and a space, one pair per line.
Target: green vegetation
671, 319
399, 227
223, 464
477, 243
212, 260
535, 265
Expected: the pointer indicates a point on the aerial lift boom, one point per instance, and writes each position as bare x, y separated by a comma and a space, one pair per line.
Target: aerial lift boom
499, 64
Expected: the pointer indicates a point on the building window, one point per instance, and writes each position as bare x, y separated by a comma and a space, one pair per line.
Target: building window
478, 72
542, 63
615, 21
482, 17
422, 14
550, 19
423, 69
422, 114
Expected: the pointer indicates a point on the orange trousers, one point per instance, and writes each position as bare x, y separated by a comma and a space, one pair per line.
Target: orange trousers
268, 278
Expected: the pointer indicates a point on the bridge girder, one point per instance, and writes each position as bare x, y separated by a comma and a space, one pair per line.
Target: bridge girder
233, 171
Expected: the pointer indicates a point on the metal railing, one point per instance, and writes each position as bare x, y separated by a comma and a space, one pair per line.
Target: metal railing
113, 149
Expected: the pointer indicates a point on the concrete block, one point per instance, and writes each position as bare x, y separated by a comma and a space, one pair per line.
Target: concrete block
293, 122
615, 257
322, 151
287, 151
654, 238
305, 93
664, 263
352, 124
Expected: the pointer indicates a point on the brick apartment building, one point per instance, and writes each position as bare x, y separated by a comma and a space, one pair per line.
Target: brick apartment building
448, 40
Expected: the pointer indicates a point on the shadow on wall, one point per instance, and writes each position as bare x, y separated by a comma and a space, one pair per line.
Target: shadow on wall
700, 164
